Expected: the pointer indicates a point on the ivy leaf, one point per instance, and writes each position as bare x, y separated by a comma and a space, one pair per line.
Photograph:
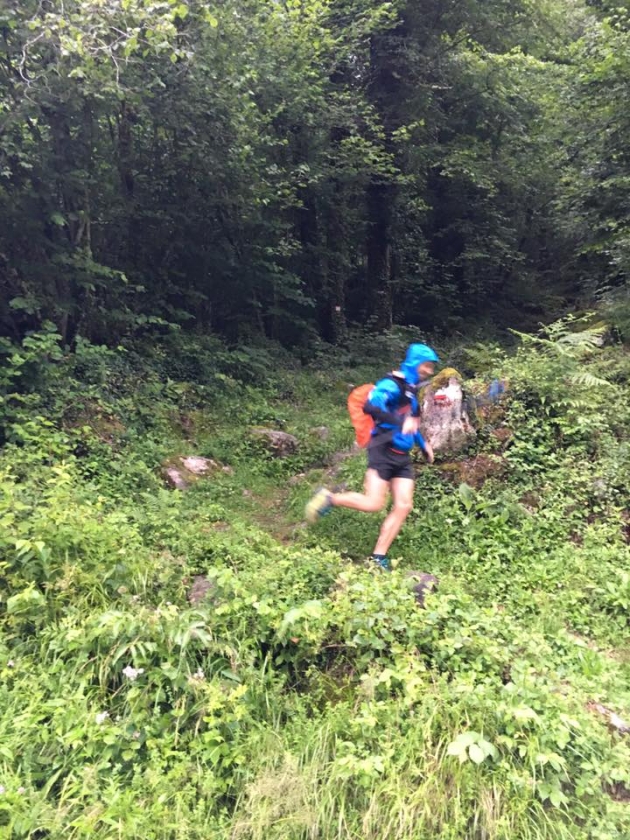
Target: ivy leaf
467, 495
524, 713
556, 797
26, 601
476, 753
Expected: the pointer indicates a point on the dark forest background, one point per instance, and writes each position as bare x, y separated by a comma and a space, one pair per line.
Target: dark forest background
293, 169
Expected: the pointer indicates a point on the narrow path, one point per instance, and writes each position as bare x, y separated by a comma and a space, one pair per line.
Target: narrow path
268, 507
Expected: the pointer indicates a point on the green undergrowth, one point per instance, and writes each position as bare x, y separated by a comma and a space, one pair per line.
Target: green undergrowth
306, 696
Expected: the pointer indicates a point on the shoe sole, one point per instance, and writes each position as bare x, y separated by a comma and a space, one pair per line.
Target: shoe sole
312, 511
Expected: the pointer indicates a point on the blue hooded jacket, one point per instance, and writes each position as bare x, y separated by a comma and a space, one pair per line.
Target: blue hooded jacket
388, 404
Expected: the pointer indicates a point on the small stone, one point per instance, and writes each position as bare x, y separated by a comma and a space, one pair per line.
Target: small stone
198, 465
339, 457
422, 584
614, 721
280, 444
296, 479
202, 586
184, 470
321, 432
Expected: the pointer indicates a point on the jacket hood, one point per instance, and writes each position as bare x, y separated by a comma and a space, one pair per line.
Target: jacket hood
416, 355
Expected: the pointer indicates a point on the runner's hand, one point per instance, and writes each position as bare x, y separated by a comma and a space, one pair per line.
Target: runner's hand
410, 425
428, 452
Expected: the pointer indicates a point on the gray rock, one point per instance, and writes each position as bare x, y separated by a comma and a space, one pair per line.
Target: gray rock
422, 583
296, 479
175, 478
616, 723
280, 444
445, 423
201, 588
197, 465
184, 470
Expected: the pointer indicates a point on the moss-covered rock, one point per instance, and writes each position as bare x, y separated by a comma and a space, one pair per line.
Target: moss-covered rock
181, 471
445, 421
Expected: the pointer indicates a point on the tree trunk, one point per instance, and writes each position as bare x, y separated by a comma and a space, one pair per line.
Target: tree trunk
385, 90
335, 245
379, 261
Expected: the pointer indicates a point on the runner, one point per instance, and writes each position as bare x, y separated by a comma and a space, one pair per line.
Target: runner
394, 407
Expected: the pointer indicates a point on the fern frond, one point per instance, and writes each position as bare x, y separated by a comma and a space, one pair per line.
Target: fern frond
584, 379
593, 337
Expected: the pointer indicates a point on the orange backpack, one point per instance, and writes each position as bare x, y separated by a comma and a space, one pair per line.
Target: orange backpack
363, 423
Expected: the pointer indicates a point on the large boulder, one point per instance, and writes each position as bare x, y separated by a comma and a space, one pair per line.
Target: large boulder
445, 421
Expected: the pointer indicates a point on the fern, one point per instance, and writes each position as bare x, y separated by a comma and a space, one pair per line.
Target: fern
583, 378
588, 338
564, 363
562, 338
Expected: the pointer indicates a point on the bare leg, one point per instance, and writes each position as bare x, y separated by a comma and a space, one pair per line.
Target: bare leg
402, 492
371, 500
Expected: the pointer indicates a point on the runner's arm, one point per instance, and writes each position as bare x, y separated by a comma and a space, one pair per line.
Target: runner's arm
378, 404
426, 447
419, 440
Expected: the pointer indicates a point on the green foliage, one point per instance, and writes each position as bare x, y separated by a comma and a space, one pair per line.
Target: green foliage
292, 170
305, 694
196, 664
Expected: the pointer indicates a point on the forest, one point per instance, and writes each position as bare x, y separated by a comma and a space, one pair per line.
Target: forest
294, 169
217, 219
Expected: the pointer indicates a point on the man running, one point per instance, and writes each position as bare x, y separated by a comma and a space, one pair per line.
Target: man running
394, 406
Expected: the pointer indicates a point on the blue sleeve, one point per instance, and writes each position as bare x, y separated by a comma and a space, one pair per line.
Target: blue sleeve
418, 439
382, 403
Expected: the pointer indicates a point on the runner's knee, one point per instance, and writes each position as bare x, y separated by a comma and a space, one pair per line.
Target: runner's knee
404, 508
375, 504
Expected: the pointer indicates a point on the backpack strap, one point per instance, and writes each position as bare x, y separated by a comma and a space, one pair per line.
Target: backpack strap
407, 390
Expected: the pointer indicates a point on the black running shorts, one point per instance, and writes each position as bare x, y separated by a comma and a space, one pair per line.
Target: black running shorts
388, 462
